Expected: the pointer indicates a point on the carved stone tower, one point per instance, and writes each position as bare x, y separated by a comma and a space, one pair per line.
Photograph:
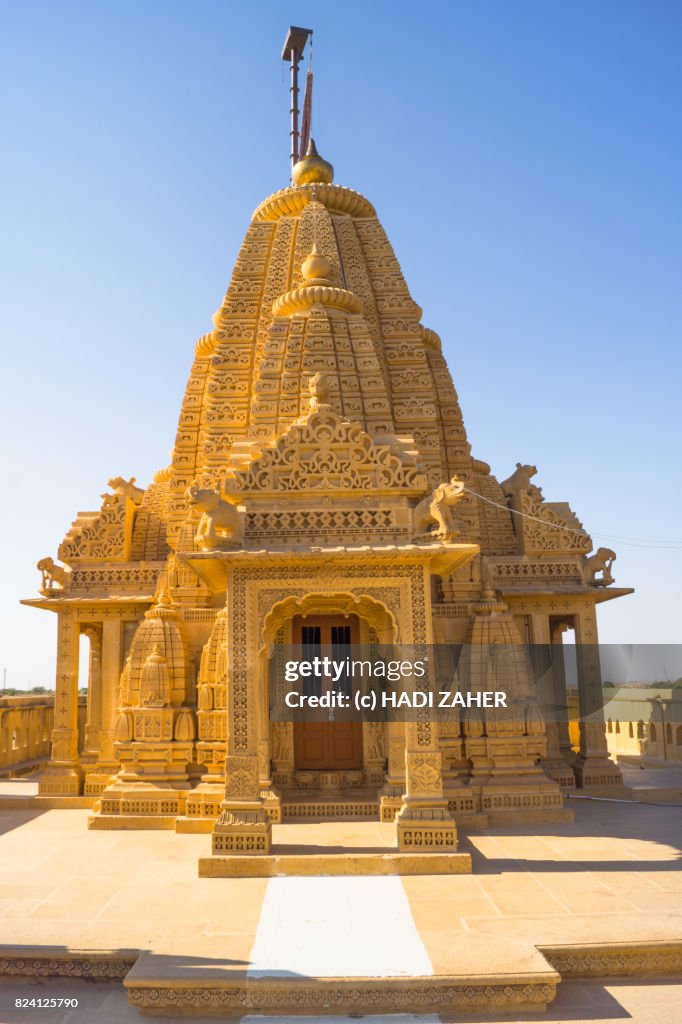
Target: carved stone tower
321, 474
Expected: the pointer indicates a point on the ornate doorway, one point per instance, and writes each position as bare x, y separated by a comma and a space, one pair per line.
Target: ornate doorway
326, 745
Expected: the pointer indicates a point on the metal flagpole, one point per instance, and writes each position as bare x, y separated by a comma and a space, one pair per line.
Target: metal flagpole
294, 44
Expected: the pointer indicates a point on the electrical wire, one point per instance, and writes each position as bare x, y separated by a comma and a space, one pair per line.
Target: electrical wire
633, 542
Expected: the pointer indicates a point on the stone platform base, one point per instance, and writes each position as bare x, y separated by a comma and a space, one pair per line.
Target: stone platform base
46, 803
160, 984
194, 826
129, 822
394, 863
323, 997
543, 816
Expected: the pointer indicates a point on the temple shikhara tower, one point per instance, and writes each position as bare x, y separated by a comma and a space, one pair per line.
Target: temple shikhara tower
322, 490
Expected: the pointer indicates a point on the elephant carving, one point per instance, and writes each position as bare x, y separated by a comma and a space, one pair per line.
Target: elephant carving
437, 509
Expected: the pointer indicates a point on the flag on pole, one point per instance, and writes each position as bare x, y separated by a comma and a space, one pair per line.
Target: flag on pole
306, 119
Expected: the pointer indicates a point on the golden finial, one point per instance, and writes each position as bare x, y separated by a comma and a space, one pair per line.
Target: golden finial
315, 266
312, 168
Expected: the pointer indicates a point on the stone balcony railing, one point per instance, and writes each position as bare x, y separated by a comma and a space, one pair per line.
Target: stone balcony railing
26, 723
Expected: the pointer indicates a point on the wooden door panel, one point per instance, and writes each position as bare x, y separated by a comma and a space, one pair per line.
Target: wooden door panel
322, 746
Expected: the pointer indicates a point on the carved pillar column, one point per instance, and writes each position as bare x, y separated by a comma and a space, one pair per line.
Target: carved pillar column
243, 825
593, 767
539, 627
268, 792
63, 774
424, 821
557, 629
391, 799
105, 671
111, 675
556, 721
94, 706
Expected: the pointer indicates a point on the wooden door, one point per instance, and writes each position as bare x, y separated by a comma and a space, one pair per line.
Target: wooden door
326, 745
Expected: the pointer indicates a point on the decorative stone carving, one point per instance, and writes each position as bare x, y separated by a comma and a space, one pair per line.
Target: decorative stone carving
124, 727
127, 488
324, 451
52, 574
281, 741
549, 526
375, 747
599, 563
318, 385
185, 730
220, 524
437, 508
424, 775
519, 480
103, 535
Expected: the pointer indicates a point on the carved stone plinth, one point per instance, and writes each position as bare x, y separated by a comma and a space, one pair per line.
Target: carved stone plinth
244, 829
155, 761
63, 781
389, 806
518, 795
556, 769
205, 801
596, 771
211, 758
97, 781
426, 827
273, 804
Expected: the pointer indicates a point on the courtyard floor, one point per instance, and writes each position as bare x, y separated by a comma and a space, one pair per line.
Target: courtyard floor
613, 875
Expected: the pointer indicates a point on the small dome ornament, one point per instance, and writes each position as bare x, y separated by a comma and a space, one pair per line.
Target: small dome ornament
316, 266
312, 169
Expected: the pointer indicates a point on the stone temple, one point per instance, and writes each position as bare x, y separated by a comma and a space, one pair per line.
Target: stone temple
322, 490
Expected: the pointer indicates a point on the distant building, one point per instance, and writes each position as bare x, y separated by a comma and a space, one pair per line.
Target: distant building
645, 722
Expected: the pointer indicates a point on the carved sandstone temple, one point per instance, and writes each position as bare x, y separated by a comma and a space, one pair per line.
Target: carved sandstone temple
321, 489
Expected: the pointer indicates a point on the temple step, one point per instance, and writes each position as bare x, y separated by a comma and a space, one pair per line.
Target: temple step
177, 986
311, 805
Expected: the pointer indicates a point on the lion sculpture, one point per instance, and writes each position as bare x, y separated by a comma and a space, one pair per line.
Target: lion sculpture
519, 480
600, 562
220, 521
437, 509
126, 487
52, 573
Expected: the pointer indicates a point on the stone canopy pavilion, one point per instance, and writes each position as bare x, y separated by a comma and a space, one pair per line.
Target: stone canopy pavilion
322, 489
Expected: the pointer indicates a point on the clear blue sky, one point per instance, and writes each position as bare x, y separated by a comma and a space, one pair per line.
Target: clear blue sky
525, 159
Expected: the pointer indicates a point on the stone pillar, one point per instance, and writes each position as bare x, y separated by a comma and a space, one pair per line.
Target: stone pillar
424, 821
105, 670
391, 798
593, 767
243, 826
63, 774
556, 724
557, 629
94, 706
111, 675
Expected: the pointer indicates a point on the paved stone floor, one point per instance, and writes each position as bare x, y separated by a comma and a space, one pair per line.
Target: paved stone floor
615, 874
